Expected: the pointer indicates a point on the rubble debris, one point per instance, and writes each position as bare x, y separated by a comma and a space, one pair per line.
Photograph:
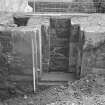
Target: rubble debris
89, 90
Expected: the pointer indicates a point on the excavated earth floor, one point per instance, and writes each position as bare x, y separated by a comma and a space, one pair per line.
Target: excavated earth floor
86, 91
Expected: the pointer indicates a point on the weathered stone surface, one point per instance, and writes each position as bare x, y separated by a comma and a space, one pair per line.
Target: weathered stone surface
92, 23
93, 59
59, 44
45, 67
38, 20
16, 62
45, 48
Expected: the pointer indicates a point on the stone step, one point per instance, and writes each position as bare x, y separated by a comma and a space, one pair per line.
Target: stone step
50, 83
58, 76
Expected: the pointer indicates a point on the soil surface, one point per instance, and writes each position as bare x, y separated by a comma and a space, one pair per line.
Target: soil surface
86, 91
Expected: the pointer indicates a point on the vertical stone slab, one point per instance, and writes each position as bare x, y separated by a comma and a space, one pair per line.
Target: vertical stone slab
76, 43
93, 60
5, 49
80, 53
21, 66
45, 48
73, 47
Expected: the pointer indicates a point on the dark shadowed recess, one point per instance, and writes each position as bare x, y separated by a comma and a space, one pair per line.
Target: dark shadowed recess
21, 21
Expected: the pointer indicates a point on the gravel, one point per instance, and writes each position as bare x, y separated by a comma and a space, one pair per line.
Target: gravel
86, 91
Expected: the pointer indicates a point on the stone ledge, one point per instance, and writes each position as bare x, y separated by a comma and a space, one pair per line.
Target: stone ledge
91, 23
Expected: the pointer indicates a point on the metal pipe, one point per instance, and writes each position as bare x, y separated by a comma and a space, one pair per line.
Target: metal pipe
40, 43
33, 62
36, 57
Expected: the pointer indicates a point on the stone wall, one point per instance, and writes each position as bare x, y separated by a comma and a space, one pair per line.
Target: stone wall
94, 58
16, 66
59, 44
14, 77
93, 51
93, 27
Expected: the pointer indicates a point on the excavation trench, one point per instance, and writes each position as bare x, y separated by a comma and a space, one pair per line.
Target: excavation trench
61, 58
